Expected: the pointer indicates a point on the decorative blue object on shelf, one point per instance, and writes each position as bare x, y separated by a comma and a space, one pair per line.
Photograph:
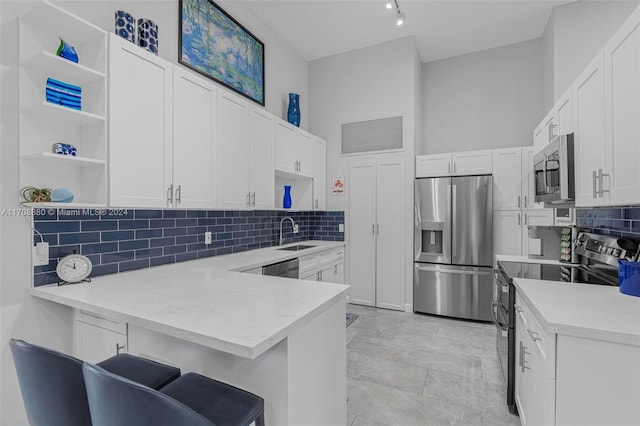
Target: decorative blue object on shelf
629, 277
64, 149
125, 25
293, 113
61, 195
286, 201
65, 94
148, 35
67, 51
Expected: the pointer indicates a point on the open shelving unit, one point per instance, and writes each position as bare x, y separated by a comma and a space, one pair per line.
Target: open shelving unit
42, 123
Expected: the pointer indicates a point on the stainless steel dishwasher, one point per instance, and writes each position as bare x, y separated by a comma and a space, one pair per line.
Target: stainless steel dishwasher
288, 269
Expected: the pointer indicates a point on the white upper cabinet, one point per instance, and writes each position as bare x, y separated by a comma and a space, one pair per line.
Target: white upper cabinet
294, 150
261, 169
194, 139
507, 174
564, 113
320, 175
433, 165
140, 126
286, 150
306, 148
233, 153
589, 125
472, 163
621, 184
456, 164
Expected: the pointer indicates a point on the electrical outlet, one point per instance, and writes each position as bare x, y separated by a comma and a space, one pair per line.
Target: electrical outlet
207, 237
296, 229
41, 254
341, 227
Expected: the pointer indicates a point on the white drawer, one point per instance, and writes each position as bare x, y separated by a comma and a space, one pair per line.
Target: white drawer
100, 321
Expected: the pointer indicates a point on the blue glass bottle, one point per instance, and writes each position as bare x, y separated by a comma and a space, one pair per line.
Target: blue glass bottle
293, 113
286, 201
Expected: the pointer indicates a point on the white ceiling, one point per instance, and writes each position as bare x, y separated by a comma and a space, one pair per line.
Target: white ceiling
442, 29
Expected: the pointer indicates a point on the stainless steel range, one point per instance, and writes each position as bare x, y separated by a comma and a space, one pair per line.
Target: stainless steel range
599, 260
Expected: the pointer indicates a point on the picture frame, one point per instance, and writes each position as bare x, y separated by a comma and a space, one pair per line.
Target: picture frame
212, 43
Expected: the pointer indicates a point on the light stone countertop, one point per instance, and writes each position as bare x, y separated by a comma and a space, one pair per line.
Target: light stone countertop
206, 302
598, 312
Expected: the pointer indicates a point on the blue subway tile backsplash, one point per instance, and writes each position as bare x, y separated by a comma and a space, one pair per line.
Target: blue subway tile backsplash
613, 221
128, 239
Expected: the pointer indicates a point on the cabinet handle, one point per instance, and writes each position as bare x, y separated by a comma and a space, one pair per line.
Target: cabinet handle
526, 219
455, 167
595, 184
373, 229
524, 358
534, 335
518, 219
449, 167
316, 203
378, 228
495, 274
119, 348
519, 309
526, 201
170, 194
600, 176
335, 268
179, 194
253, 199
518, 201
248, 199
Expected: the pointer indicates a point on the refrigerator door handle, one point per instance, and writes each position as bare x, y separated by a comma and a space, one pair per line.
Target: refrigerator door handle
443, 269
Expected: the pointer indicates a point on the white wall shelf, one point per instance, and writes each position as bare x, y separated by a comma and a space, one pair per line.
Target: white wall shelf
57, 112
53, 19
49, 157
61, 68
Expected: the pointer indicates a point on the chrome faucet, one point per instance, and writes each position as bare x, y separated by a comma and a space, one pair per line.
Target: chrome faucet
293, 225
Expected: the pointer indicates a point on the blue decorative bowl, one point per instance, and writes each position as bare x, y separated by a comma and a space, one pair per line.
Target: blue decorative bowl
64, 149
61, 195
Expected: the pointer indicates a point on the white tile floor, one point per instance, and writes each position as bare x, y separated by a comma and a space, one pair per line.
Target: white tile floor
407, 369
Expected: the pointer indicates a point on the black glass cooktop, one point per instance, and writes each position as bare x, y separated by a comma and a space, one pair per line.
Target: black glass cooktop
603, 275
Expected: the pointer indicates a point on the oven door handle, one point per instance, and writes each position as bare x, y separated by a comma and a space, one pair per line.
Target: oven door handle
494, 314
544, 175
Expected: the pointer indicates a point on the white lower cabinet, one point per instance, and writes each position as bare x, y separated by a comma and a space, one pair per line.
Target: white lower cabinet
535, 369
325, 266
96, 338
377, 258
507, 232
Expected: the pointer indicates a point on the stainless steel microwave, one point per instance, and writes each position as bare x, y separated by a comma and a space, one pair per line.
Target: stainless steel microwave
553, 173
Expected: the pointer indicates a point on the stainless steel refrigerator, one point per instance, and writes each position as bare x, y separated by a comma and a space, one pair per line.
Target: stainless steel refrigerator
454, 246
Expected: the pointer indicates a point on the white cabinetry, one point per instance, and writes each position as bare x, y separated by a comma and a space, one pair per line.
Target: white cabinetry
162, 131
588, 97
376, 239
564, 113
621, 183
325, 266
542, 217
320, 174
456, 164
261, 168
96, 338
535, 369
294, 150
507, 173
42, 123
528, 188
140, 126
507, 232
194, 140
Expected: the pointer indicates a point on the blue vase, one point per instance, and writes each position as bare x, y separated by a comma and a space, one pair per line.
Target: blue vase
67, 51
286, 201
293, 113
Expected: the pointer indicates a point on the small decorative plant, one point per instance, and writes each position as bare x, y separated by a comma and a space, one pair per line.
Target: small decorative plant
31, 194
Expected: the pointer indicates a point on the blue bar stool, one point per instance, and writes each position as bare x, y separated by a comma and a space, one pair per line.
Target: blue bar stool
53, 388
192, 400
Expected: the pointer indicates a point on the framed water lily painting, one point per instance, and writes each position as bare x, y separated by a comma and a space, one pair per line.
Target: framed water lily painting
217, 46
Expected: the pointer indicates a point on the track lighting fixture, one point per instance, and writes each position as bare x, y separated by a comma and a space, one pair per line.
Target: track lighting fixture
400, 16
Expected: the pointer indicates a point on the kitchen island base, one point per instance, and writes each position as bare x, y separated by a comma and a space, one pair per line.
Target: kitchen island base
302, 378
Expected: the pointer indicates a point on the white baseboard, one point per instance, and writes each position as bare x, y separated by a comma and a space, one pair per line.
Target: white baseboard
408, 307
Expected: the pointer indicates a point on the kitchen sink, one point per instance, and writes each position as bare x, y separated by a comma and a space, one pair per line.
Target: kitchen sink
297, 247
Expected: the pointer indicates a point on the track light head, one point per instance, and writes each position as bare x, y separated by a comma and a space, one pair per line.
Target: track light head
400, 17
389, 5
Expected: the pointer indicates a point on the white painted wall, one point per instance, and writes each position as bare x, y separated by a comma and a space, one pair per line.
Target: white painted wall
547, 66
365, 84
482, 100
580, 30
285, 70
21, 315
